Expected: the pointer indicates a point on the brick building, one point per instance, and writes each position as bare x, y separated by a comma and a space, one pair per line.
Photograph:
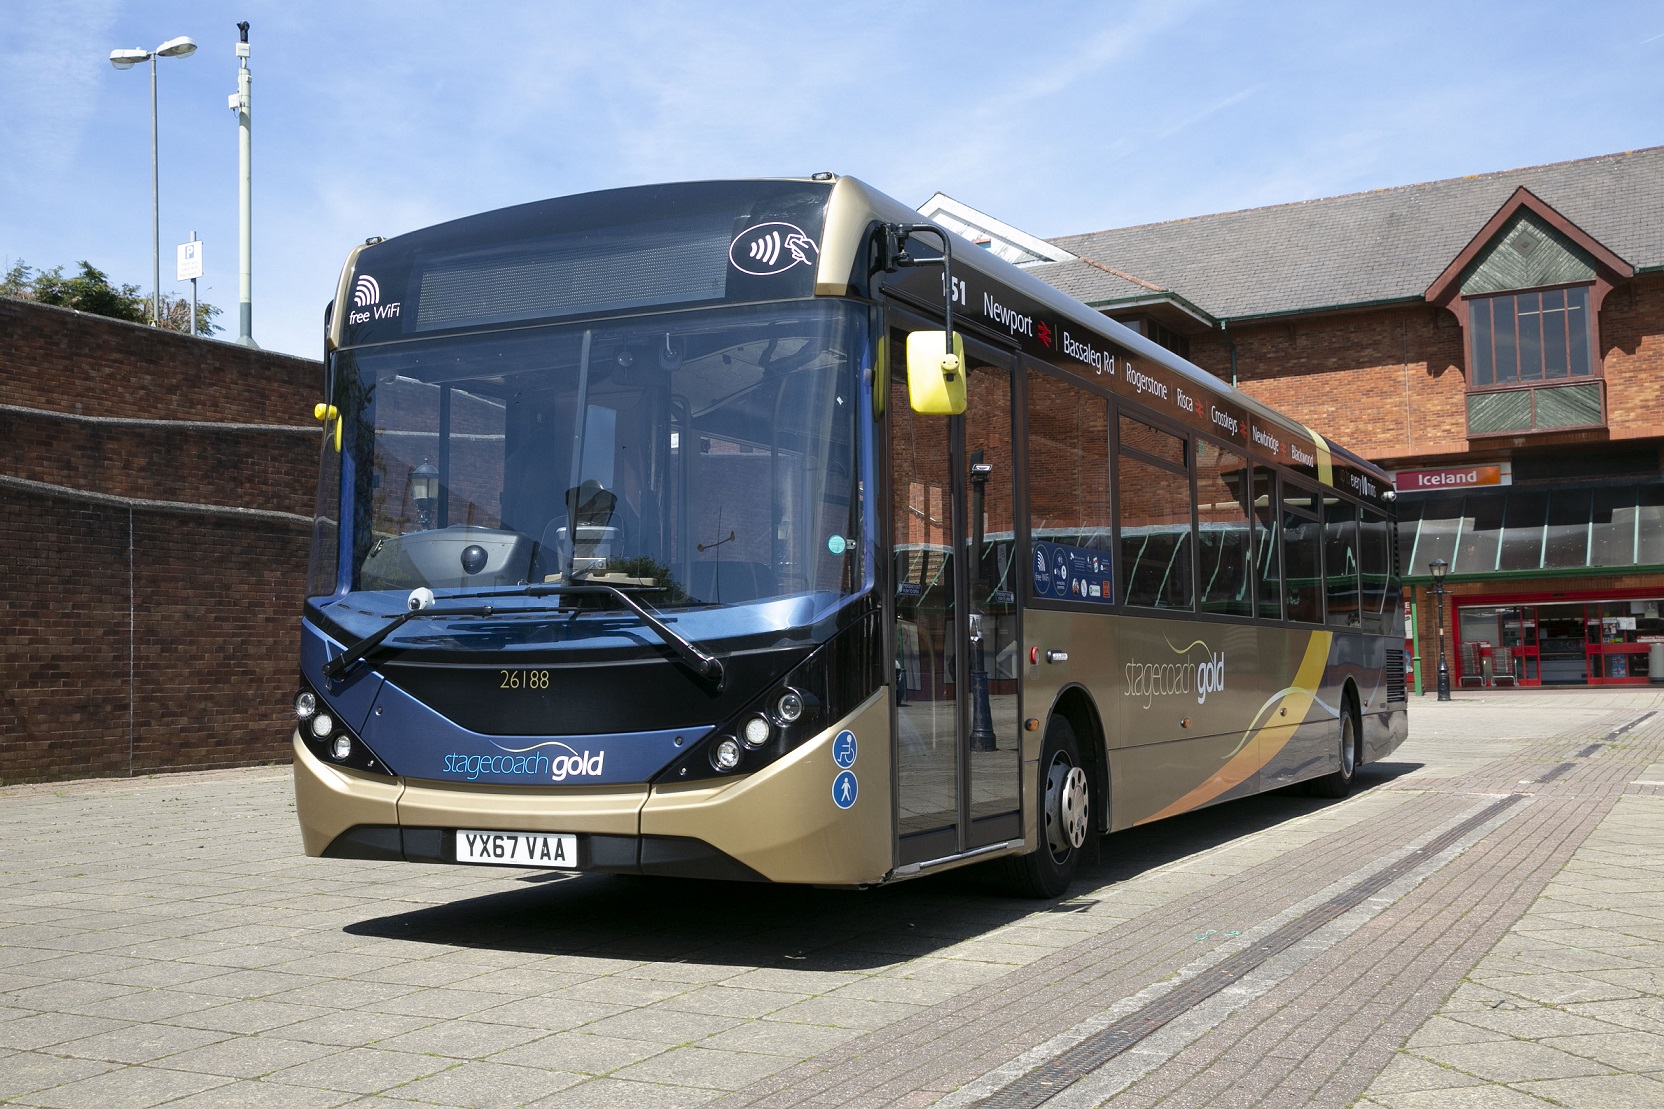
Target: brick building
156, 501
1496, 341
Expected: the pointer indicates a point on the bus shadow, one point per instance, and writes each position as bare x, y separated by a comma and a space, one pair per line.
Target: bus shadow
739, 924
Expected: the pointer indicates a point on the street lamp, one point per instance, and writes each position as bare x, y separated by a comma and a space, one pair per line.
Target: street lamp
1438, 568
424, 490
180, 47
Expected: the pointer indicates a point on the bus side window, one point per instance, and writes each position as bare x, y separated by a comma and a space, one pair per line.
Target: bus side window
1068, 467
1222, 499
1268, 573
1302, 554
1157, 540
1340, 560
1375, 547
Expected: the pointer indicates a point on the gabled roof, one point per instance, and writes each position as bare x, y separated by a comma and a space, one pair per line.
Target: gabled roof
1378, 247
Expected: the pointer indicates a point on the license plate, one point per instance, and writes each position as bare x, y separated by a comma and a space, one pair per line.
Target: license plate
518, 849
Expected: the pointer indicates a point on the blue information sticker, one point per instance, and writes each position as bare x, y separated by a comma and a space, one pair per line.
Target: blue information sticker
1042, 570
845, 789
843, 749
836, 544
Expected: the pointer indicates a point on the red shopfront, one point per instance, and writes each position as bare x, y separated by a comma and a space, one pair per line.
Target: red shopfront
1558, 639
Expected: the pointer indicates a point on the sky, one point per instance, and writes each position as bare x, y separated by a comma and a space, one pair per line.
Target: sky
377, 117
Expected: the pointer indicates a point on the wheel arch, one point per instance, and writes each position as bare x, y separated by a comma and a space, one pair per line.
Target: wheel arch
1349, 703
1076, 705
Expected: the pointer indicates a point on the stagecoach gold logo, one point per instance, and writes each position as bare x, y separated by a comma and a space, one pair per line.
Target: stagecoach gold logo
1188, 676
529, 762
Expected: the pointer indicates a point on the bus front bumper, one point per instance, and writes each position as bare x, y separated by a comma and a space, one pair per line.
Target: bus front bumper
781, 823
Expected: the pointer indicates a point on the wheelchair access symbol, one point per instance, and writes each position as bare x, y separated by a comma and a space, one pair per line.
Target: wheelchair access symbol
844, 789
843, 750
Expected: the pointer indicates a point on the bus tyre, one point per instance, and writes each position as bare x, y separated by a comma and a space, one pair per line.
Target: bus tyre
1339, 784
1065, 818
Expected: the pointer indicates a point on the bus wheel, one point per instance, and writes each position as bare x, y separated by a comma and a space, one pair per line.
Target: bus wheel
1339, 784
1065, 818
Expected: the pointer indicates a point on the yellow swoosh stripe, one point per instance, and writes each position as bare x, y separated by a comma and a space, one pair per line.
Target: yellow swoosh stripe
1250, 756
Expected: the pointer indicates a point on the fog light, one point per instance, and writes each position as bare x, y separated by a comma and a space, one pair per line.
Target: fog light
789, 708
340, 747
306, 703
755, 733
725, 753
322, 724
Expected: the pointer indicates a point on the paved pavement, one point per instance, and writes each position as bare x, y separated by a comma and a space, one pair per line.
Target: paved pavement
1476, 926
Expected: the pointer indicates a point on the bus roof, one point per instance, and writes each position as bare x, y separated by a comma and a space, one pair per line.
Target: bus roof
692, 243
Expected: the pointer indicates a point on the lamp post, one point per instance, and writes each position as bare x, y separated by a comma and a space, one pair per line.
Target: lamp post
240, 102
1438, 568
180, 47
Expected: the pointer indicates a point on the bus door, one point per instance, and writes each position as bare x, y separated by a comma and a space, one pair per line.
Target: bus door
954, 611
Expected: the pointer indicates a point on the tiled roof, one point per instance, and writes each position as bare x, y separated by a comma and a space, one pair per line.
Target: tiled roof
1359, 249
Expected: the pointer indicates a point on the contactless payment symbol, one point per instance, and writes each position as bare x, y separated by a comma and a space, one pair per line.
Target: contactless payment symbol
843, 750
1060, 572
844, 789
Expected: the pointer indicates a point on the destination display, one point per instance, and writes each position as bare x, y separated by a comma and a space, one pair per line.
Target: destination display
1041, 332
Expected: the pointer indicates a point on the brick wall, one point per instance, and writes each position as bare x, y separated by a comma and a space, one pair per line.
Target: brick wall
1390, 384
156, 553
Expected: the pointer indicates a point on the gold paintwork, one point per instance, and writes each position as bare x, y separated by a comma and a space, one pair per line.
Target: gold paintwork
330, 799
1158, 764
601, 810
1325, 459
851, 207
1266, 736
781, 821
343, 297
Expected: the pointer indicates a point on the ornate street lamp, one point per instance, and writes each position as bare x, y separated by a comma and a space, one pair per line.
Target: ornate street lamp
1438, 568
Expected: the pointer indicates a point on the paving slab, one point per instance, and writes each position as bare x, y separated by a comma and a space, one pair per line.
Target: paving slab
181, 950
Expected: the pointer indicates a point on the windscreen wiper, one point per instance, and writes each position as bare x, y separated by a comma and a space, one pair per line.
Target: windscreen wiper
337, 666
701, 662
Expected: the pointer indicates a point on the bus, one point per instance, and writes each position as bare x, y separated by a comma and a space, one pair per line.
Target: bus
758, 530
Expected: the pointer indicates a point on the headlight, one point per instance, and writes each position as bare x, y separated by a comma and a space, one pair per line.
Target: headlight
820, 689
789, 707
334, 741
756, 732
725, 753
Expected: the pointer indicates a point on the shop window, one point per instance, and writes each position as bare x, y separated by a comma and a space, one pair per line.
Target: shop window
1517, 338
1531, 362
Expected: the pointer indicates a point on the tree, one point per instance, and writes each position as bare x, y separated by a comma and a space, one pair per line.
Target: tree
91, 291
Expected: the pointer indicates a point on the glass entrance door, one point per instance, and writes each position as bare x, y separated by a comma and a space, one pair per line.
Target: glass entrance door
951, 490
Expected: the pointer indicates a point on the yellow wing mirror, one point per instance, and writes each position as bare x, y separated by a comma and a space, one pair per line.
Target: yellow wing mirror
936, 373
328, 413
